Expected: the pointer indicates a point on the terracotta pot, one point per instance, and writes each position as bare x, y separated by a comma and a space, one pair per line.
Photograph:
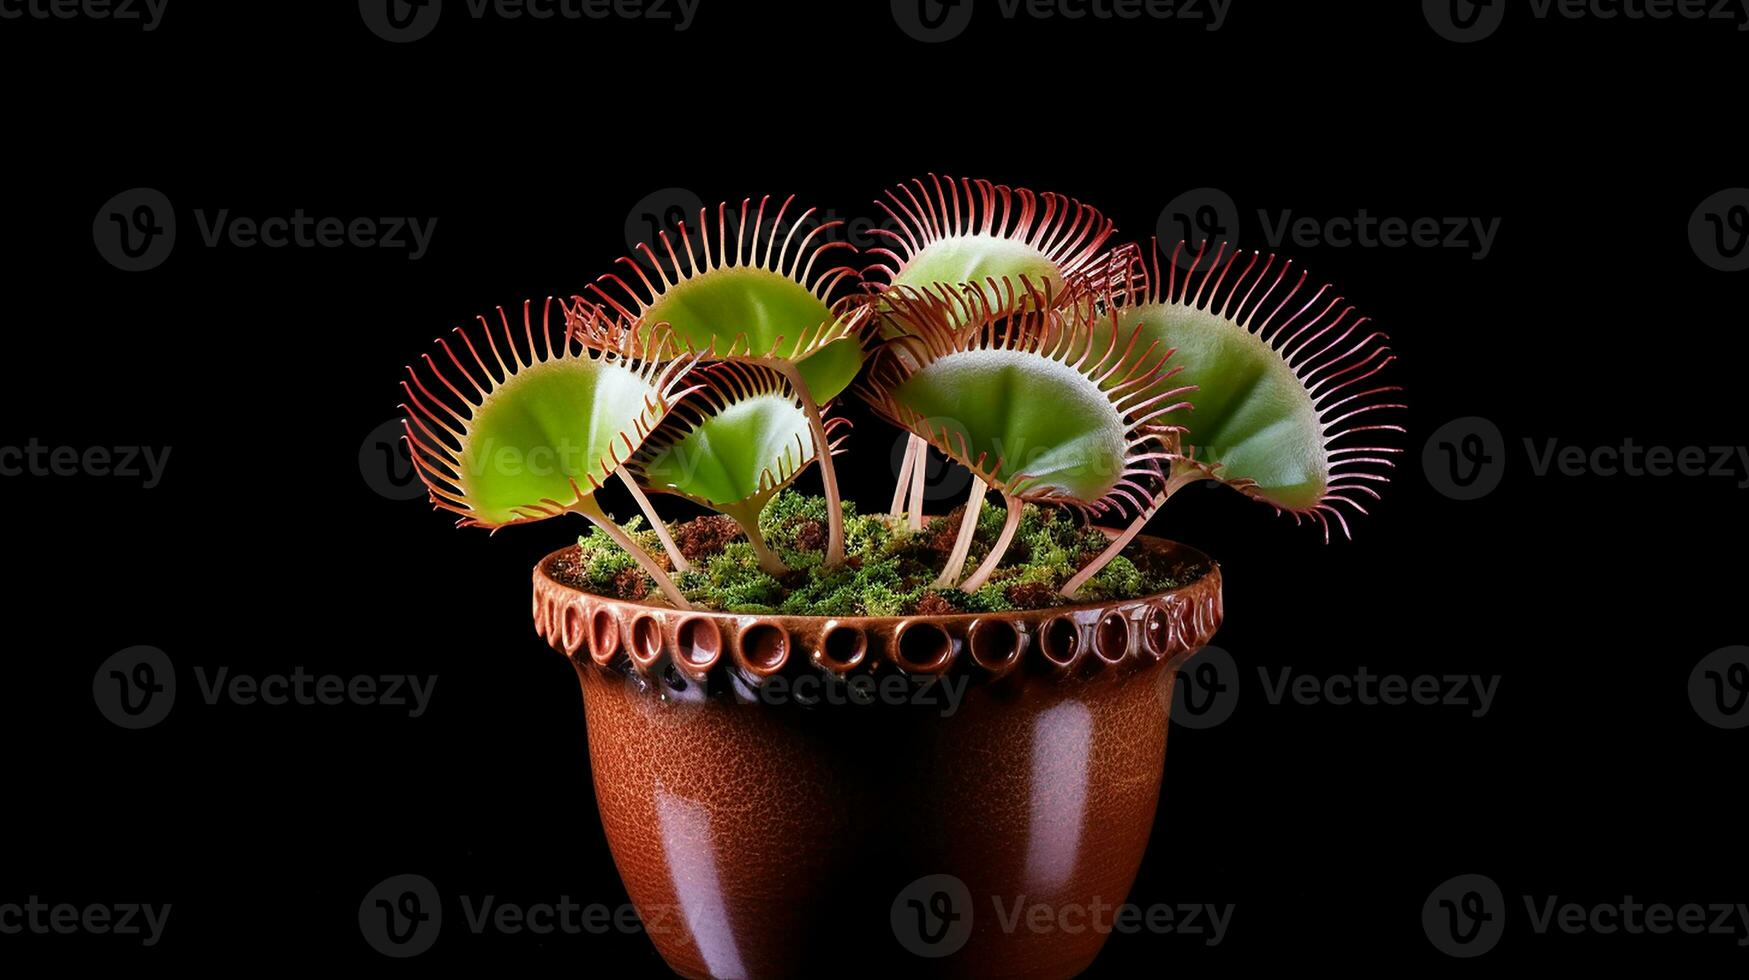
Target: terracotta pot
795, 796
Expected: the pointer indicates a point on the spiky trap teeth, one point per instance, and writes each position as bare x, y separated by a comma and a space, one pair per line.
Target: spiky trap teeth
747, 285
1001, 327
1286, 377
1040, 405
507, 426
739, 436
951, 232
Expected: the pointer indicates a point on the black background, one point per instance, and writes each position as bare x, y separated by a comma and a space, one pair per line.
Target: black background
266, 548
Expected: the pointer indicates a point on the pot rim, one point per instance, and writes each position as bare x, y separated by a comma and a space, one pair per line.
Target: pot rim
729, 650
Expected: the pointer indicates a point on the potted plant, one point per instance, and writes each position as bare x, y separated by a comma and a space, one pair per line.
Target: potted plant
818, 734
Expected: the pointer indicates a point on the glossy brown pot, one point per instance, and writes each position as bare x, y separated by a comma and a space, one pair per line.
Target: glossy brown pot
801, 796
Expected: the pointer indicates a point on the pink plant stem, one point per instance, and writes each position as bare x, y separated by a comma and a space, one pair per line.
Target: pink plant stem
962, 545
656, 524
902, 489
919, 469
1180, 476
828, 473
769, 563
1010, 524
592, 510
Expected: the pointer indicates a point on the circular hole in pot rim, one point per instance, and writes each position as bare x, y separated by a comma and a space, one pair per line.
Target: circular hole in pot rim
699, 641
646, 639
922, 646
574, 629
995, 644
603, 636
764, 648
1060, 640
1157, 631
1111, 639
842, 647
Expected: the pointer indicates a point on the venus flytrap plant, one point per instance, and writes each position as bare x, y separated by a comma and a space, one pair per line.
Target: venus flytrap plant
1015, 245
743, 294
1044, 407
1005, 332
731, 445
1284, 384
514, 430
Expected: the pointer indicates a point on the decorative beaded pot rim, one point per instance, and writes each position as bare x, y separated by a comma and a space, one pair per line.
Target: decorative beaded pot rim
1059, 644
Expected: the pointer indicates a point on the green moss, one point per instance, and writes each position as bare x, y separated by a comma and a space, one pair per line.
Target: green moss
890, 567
602, 566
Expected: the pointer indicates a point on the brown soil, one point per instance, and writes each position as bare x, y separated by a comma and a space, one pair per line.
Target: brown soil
705, 536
